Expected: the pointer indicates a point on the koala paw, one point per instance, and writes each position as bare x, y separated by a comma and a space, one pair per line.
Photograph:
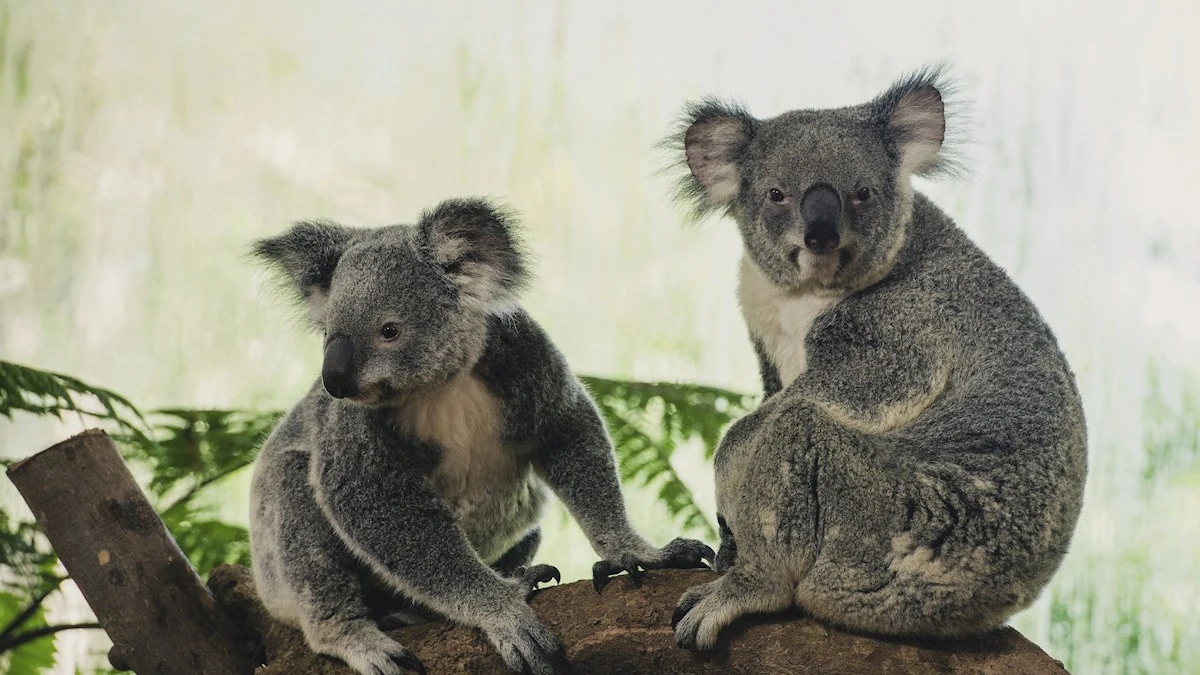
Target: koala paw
698, 619
528, 578
680, 553
526, 645
364, 648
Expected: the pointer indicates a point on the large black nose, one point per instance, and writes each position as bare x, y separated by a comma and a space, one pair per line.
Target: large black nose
821, 208
338, 371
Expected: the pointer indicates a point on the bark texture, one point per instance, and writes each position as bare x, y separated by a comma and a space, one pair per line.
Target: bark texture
626, 631
146, 595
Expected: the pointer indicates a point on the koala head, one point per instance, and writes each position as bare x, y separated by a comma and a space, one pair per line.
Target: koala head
822, 197
402, 307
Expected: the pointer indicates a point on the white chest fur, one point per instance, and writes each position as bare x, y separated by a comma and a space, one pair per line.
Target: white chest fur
485, 480
464, 419
780, 318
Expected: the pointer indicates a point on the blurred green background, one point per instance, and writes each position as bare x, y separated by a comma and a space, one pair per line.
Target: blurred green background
143, 145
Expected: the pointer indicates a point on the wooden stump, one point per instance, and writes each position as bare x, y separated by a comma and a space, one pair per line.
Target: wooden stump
146, 595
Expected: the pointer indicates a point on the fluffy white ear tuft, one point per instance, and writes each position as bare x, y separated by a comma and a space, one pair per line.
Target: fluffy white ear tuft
713, 136
306, 255
912, 114
475, 243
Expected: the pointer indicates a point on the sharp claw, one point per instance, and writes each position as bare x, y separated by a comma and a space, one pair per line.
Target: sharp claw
410, 662
681, 610
556, 575
600, 573
635, 575
560, 663
708, 554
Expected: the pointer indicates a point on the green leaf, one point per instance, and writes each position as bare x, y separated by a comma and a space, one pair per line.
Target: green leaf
41, 392
188, 450
27, 561
206, 541
649, 420
32, 657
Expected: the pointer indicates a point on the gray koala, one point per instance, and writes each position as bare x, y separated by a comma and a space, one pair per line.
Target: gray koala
410, 483
917, 465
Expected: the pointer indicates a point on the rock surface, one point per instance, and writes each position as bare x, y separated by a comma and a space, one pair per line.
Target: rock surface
627, 631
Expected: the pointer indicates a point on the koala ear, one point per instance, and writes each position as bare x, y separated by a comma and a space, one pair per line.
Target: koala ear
475, 242
912, 115
714, 136
306, 254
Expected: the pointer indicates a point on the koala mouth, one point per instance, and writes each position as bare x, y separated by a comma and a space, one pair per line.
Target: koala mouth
374, 396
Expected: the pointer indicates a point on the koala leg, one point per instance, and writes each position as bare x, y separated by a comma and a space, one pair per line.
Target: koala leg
334, 616
859, 530
323, 582
727, 553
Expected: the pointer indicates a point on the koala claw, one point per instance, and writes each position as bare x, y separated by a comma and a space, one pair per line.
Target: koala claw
679, 553
529, 647
686, 554
409, 661
688, 621
604, 570
686, 603
530, 577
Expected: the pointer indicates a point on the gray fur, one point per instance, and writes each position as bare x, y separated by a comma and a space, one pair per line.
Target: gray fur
416, 491
917, 465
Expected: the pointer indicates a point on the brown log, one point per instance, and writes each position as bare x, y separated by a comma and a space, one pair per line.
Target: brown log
146, 595
626, 631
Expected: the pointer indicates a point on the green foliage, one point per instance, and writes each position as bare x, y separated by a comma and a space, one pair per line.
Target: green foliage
44, 393
26, 559
33, 656
189, 450
27, 577
650, 420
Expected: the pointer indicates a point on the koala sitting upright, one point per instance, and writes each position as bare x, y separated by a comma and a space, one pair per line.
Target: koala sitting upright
413, 473
917, 465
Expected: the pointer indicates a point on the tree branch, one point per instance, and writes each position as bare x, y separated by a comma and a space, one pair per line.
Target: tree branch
37, 633
145, 593
29, 611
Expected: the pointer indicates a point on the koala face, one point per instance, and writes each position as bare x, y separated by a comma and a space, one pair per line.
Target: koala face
394, 321
822, 197
402, 307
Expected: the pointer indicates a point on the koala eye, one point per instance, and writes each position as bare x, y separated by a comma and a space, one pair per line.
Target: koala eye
863, 194
389, 332
776, 195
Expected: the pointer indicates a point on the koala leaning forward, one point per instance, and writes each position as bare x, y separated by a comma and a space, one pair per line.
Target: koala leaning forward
412, 479
917, 465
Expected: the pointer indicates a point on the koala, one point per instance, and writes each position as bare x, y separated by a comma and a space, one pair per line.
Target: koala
917, 464
408, 482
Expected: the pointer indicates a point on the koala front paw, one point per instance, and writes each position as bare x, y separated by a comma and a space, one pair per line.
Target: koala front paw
680, 553
526, 645
528, 578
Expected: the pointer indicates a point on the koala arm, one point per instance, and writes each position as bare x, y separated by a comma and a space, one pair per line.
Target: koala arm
575, 458
548, 407
873, 377
392, 520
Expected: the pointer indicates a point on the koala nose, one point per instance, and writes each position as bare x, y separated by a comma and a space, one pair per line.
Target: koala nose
338, 370
821, 208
